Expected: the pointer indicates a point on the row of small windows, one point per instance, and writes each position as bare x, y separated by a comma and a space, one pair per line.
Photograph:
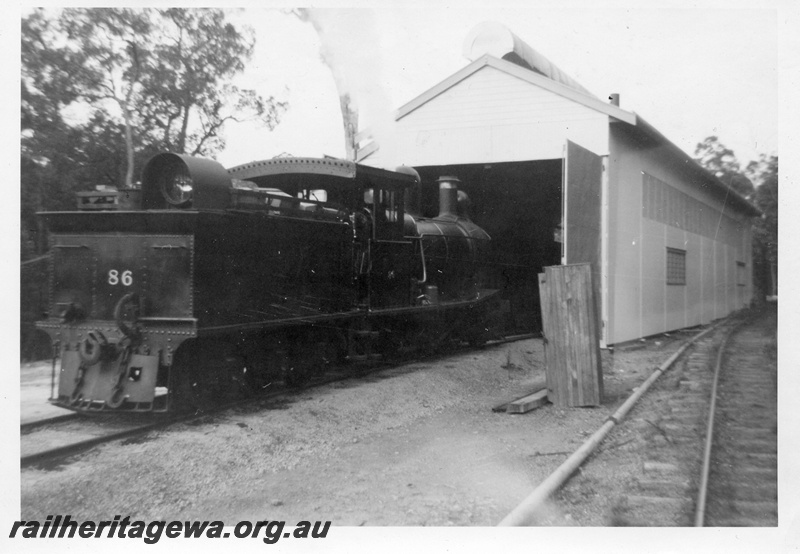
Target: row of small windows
666, 204
676, 268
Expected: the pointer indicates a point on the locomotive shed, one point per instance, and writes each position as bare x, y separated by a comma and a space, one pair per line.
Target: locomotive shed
558, 176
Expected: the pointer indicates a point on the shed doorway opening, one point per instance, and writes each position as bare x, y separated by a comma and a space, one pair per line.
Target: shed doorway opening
520, 205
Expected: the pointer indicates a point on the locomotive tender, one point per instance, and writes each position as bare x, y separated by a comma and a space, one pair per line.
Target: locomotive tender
215, 283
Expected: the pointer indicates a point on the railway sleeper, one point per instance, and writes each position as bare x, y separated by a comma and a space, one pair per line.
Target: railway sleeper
642, 510
739, 513
668, 488
661, 468
757, 444
755, 459
752, 490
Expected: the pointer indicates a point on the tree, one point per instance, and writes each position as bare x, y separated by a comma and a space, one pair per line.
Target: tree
758, 182
764, 172
163, 76
722, 163
108, 61
192, 66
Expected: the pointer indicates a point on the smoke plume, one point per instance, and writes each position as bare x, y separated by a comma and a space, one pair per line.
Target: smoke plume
350, 47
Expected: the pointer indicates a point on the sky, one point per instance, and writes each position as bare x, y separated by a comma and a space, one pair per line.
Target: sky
689, 68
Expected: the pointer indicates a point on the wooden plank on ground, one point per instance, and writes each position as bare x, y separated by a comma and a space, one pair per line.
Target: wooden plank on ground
500, 407
527, 403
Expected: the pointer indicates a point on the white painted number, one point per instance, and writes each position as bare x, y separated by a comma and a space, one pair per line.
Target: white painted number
114, 278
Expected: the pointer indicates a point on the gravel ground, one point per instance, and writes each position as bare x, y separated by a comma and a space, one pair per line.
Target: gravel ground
414, 446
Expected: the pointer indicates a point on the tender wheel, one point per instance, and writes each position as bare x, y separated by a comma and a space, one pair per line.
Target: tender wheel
295, 369
309, 355
389, 344
234, 371
208, 375
191, 388
256, 373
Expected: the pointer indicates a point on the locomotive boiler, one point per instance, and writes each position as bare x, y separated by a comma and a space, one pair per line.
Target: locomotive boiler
209, 283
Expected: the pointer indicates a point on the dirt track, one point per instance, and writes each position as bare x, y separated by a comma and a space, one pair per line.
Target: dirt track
418, 445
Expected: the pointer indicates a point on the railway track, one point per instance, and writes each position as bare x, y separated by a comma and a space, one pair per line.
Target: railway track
742, 477
31, 425
711, 454
48, 442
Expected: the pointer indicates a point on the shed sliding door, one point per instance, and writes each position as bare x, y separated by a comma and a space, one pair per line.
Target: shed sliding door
583, 176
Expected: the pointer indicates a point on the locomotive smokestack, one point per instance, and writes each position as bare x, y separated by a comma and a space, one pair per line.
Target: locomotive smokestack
448, 196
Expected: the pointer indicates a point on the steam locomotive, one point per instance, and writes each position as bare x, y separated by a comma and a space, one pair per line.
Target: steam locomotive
206, 284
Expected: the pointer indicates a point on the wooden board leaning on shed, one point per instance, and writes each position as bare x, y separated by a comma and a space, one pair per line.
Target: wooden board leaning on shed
571, 331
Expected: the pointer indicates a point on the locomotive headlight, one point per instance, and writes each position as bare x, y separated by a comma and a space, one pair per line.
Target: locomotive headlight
177, 186
185, 182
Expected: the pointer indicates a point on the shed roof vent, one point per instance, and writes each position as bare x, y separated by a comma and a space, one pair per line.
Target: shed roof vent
496, 40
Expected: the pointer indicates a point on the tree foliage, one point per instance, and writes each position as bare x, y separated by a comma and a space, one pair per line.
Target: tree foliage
163, 75
758, 182
722, 163
764, 172
190, 78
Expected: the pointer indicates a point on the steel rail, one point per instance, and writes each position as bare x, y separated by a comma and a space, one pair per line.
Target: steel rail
29, 425
700, 506
79, 446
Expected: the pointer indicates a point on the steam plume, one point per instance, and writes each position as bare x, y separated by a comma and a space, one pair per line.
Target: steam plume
350, 47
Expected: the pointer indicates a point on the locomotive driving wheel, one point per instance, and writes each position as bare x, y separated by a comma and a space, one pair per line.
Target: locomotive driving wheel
307, 356
189, 385
302, 361
294, 369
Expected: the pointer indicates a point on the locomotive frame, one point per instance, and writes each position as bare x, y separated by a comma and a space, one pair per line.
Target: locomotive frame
218, 283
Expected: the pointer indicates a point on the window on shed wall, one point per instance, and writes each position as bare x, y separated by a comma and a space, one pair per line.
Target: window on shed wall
741, 274
676, 266
664, 203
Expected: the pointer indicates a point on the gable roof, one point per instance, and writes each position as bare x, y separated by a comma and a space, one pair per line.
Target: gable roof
633, 122
521, 73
